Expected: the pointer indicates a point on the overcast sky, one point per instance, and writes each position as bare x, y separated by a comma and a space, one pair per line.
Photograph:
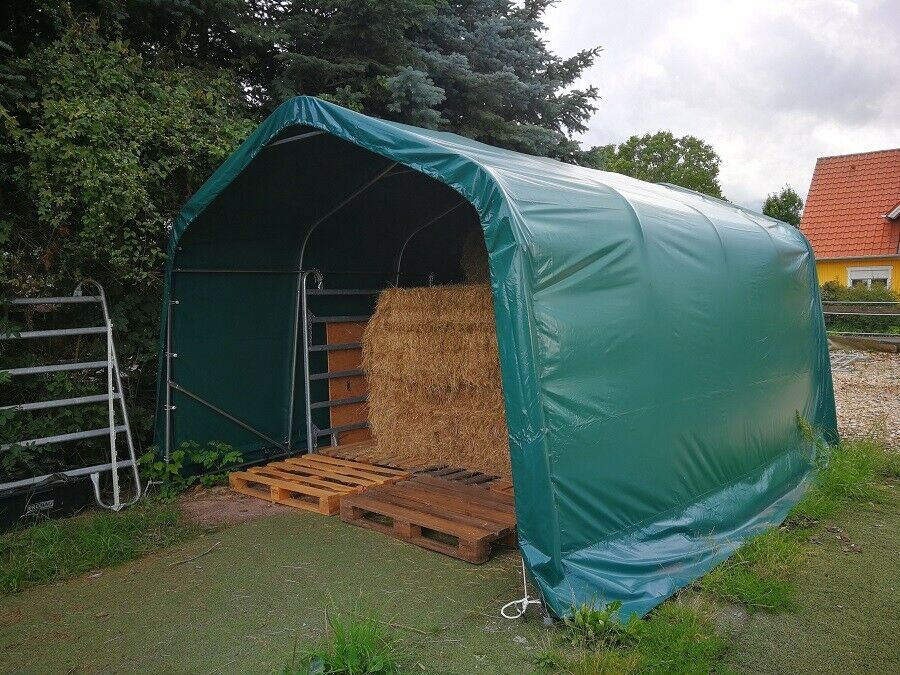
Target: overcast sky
772, 85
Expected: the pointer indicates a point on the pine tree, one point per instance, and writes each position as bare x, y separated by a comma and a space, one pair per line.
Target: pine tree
478, 67
500, 83
345, 50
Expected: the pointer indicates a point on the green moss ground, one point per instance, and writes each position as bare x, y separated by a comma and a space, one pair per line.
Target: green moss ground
265, 585
240, 607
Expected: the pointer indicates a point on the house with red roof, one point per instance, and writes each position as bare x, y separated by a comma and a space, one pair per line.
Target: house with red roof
852, 218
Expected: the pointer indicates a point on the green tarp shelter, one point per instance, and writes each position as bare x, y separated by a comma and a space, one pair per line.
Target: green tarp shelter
657, 346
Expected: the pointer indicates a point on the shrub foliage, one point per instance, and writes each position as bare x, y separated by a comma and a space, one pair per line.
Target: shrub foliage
835, 292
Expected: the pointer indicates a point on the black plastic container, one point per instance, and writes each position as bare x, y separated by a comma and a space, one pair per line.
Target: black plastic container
57, 497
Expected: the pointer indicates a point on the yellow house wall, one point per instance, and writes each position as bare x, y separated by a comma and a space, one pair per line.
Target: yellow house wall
836, 270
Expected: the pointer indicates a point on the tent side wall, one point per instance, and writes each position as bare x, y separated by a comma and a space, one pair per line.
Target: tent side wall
705, 345
244, 321
656, 346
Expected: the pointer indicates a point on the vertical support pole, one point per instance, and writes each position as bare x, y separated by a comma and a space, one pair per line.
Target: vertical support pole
112, 368
168, 434
299, 298
310, 437
113, 454
135, 472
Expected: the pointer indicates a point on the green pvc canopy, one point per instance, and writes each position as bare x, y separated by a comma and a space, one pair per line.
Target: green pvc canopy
657, 346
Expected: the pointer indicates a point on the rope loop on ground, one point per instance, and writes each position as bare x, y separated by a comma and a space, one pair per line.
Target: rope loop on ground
517, 608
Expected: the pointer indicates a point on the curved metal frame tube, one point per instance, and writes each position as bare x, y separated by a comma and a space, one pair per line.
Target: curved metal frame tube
300, 301
416, 231
310, 438
337, 208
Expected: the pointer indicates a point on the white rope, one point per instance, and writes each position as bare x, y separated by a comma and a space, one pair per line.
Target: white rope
519, 606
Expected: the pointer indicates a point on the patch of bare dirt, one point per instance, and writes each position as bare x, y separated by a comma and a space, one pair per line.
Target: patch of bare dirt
10, 617
867, 394
220, 506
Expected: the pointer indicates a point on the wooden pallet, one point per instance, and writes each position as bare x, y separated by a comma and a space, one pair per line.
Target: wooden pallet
467, 476
367, 451
311, 482
451, 517
502, 485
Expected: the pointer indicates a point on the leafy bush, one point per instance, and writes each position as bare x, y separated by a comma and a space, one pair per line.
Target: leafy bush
835, 292
22, 461
213, 462
96, 158
116, 148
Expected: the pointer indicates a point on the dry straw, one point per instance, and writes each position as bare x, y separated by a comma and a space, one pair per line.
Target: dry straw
474, 259
430, 355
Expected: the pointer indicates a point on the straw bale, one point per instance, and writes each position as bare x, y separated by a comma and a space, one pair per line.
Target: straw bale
474, 258
430, 355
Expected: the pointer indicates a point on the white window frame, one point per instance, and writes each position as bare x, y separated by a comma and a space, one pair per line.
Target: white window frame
866, 274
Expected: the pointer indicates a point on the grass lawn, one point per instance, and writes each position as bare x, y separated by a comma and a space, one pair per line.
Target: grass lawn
56, 549
847, 616
243, 606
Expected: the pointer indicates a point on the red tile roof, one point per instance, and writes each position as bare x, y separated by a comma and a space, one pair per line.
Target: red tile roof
848, 199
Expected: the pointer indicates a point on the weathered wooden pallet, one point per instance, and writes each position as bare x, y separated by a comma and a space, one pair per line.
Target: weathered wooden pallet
367, 451
450, 517
502, 485
467, 476
311, 482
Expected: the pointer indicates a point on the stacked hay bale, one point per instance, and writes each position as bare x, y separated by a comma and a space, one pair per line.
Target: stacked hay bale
474, 257
430, 355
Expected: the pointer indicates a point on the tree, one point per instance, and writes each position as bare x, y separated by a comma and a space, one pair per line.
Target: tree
475, 67
785, 205
663, 158
234, 34
480, 68
499, 83
344, 50
106, 151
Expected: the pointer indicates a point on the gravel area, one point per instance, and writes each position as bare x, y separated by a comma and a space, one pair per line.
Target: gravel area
867, 393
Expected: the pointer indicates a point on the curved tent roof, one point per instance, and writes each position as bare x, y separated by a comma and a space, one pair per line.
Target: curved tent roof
656, 345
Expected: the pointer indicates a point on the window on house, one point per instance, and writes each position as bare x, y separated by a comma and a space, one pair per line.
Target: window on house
869, 276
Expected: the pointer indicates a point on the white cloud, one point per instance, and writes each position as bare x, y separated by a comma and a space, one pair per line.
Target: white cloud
772, 85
